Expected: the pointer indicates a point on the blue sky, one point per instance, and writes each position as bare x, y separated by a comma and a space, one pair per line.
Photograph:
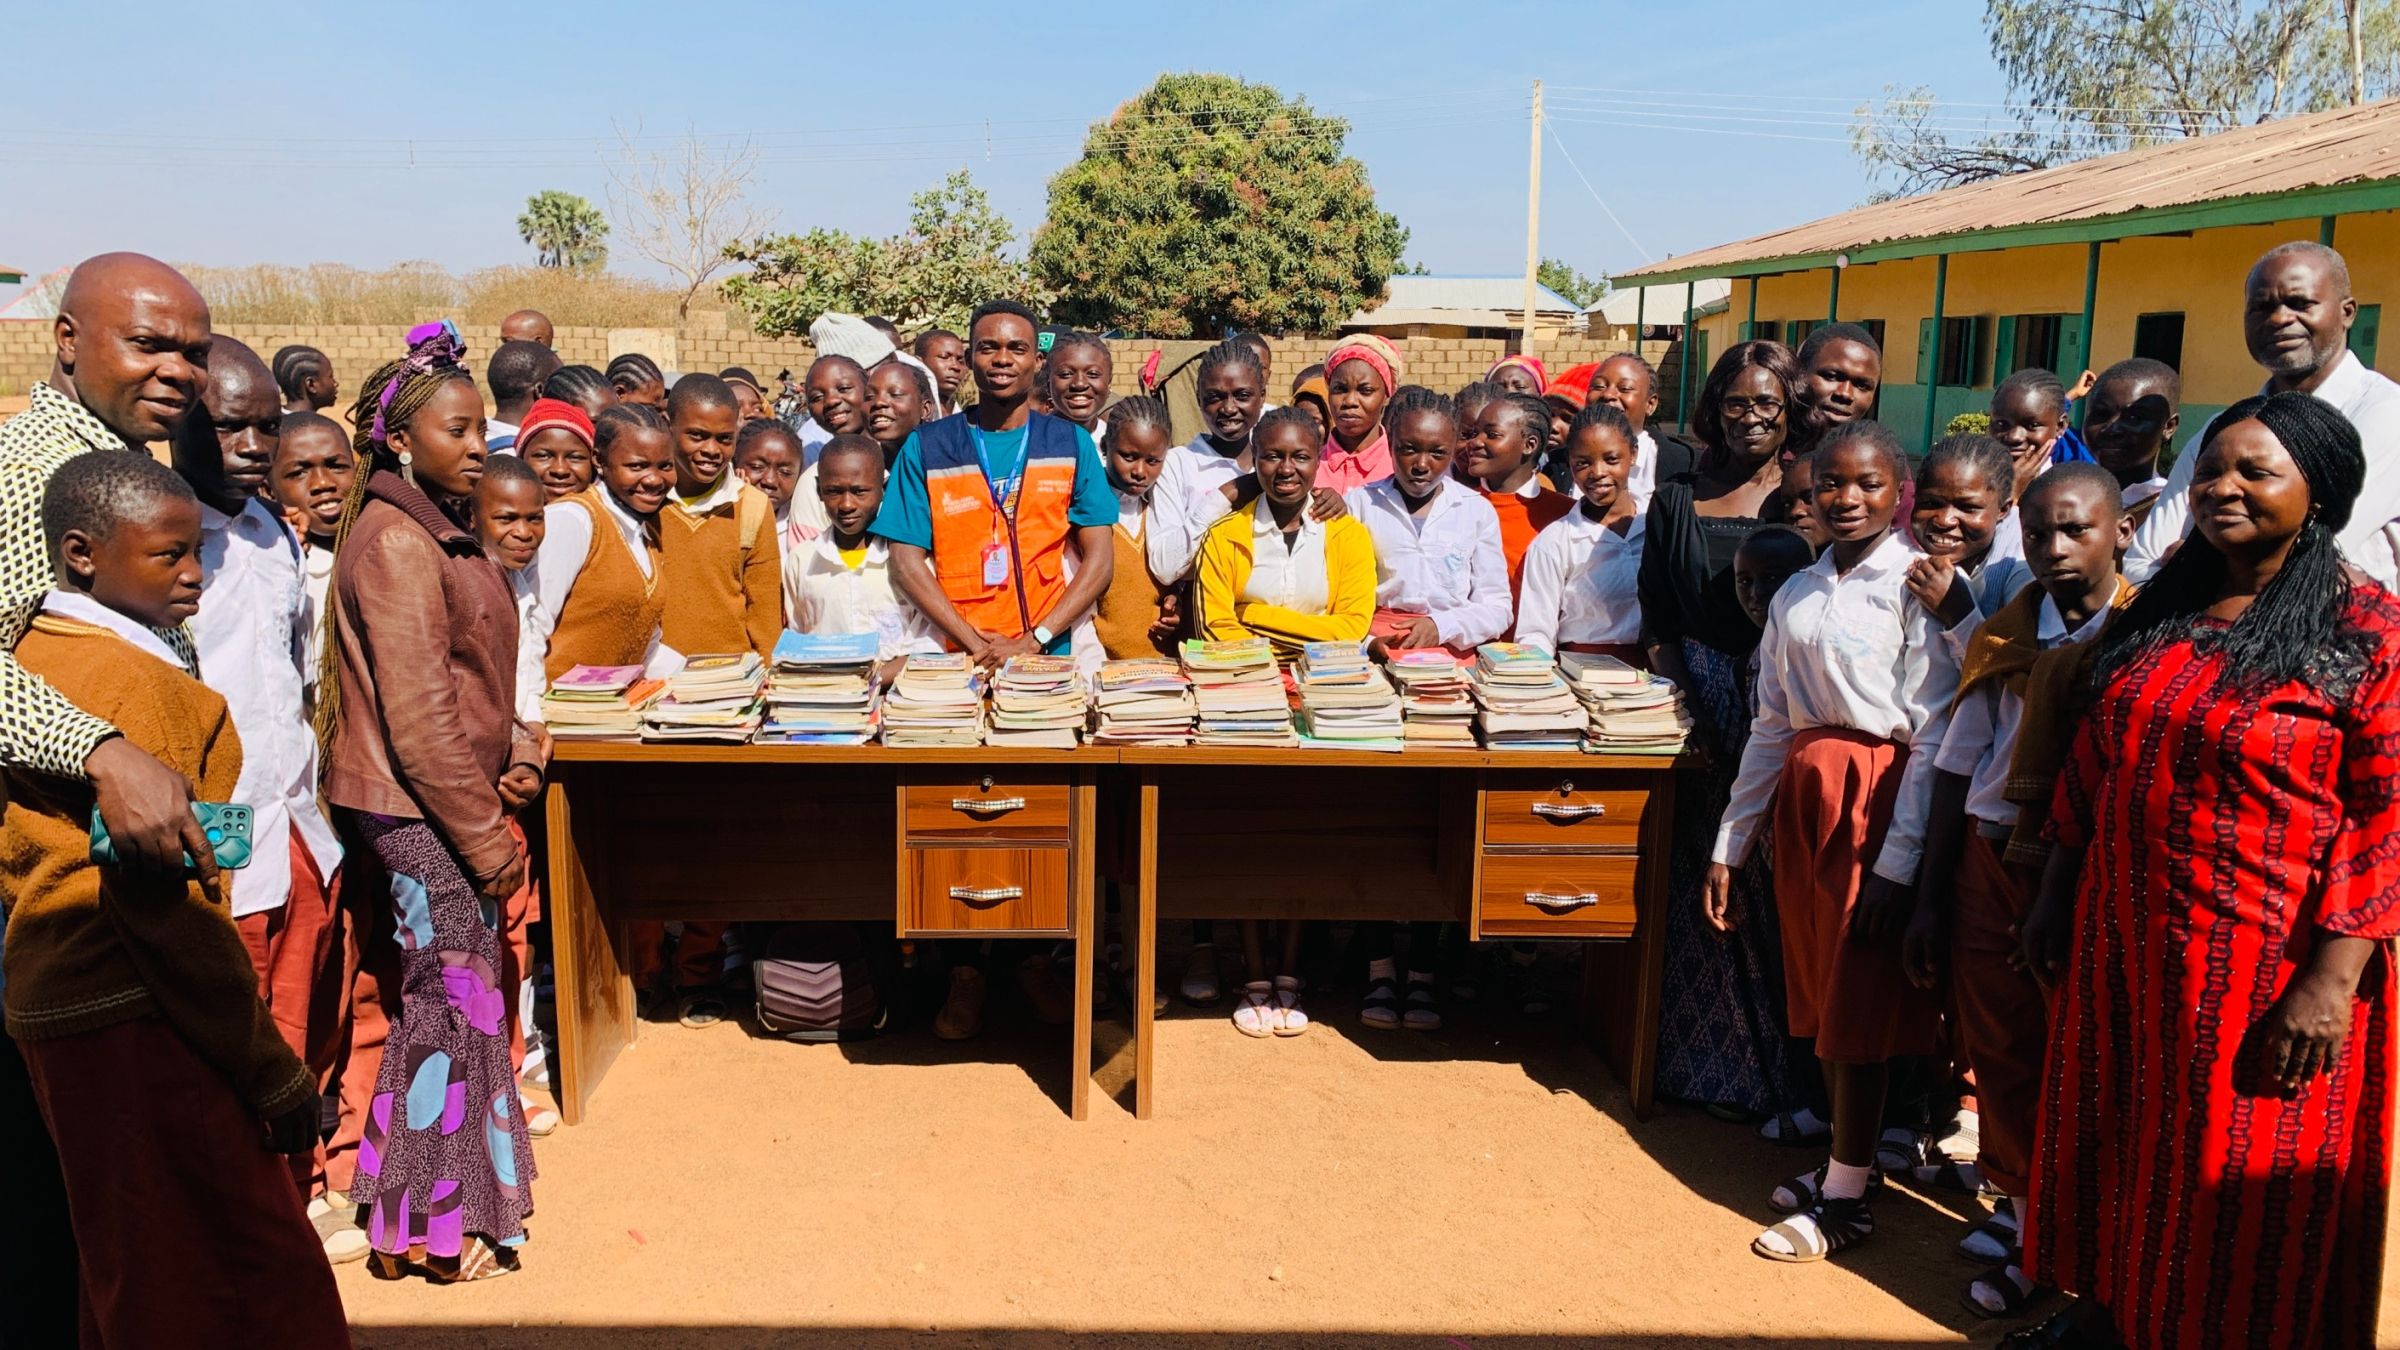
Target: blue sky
286, 134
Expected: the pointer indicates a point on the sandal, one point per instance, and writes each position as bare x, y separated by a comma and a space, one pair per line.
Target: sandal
1900, 1149
2067, 1329
389, 1265
1201, 988
1289, 1020
480, 1261
1826, 1228
698, 1008
1258, 1015
2006, 1297
1995, 1237
1950, 1174
1380, 1007
1808, 1188
1424, 1007
1795, 1129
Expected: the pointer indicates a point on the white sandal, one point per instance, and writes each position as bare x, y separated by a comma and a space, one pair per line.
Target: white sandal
1258, 1015
1290, 1020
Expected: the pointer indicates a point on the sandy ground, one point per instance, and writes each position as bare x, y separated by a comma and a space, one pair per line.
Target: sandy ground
1480, 1188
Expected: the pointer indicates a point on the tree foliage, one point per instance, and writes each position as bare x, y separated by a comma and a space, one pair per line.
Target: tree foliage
1208, 202
2088, 77
565, 230
1574, 285
952, 257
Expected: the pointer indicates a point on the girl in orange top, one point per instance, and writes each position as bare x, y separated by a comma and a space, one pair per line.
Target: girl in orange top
1511, 433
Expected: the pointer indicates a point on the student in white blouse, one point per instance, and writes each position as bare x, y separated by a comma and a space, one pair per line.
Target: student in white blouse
1855, 680
1440, 579
1191, 493
1583, 571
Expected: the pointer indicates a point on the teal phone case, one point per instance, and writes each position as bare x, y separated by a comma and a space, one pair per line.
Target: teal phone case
227, 826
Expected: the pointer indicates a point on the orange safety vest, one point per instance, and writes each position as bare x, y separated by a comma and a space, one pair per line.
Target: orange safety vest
968, 524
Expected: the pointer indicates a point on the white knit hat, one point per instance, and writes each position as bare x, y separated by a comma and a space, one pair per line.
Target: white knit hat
851, 336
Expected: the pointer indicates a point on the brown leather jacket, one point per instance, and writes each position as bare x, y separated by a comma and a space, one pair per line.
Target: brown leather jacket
426, 628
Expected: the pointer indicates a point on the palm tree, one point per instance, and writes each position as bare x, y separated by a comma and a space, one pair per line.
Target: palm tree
566, 229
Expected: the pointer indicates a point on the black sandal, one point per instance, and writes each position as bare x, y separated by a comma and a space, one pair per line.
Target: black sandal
2014, 1299
1961, 1178
1810, 1188
1831, 1228
2067, 1329
1380, 1007
2002, 1227
1788, 1133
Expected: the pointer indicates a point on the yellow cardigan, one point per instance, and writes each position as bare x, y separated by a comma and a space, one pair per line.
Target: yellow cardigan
1224, 571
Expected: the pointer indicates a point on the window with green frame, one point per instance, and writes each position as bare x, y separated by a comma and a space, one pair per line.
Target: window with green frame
2051, 342
2364, 331
1965, 354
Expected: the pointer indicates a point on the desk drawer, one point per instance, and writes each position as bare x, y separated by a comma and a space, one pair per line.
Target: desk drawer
995, 891
1556, 895
1577, 810
1006, 804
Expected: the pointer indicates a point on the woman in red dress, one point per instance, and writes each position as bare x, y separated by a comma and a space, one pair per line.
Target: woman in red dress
2216, 922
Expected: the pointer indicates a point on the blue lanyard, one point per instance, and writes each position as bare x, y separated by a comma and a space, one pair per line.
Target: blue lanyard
1004, 491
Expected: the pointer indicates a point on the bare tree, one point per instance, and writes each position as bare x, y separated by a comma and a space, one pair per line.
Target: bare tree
681, 207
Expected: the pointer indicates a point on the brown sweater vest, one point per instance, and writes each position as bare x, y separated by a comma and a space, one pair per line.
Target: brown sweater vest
723, 577
89, 947
1130, 604
612, 611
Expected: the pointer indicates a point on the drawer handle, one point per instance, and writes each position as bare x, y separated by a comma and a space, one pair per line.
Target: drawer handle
1569, 810
1554, 900
985, 895
986, 806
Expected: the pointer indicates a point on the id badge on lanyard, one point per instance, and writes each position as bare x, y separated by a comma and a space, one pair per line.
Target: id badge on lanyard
998, 561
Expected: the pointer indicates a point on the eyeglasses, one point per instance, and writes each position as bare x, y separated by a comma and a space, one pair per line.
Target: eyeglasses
1764, 409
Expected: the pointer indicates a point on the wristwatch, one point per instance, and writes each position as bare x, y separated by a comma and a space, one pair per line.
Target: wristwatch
1042, 636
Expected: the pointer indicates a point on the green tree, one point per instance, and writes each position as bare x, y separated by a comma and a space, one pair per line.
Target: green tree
2088, 77
1209, 202
565, 229
952, 257
1574, 285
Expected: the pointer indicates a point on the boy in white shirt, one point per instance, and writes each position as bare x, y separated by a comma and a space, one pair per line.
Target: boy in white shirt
841, 581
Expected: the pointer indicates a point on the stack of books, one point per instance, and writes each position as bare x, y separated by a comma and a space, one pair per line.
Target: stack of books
1525, 705
1435, 705
1239, 693
1143, 701
1632, 711
713, 698
821, 691
1037, 701
599, 703
937, 700
1345, 702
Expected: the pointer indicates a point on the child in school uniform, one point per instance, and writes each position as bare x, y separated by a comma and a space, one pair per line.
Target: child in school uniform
1277, 572
1440, 580
248, 639
1854, 681
1965, 495
1581, 576
309, 478
2029, 417
1137, 615
840, 582
1503, 459
2130, 420
2012, 701
171, 1093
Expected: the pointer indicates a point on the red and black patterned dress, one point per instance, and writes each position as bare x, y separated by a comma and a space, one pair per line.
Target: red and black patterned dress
2172, 1182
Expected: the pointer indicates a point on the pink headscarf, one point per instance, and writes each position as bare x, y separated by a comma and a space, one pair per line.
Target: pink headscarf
1541, 378
1381, 357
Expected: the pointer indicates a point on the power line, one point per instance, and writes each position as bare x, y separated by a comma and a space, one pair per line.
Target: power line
1647, 256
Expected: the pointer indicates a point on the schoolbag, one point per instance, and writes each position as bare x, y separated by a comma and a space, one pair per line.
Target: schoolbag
817, 982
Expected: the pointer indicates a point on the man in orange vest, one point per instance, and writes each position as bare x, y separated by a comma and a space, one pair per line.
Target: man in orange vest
984, 506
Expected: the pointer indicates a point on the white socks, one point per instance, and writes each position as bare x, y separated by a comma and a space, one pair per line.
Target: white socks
1844, 1181
1383, 970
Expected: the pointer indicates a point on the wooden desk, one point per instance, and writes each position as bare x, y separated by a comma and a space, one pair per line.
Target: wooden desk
988, 842
1513, 844
944, 843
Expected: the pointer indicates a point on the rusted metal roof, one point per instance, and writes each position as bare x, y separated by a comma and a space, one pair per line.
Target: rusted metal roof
2344, 160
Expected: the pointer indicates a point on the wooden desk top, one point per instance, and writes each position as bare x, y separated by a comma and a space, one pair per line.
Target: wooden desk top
1194, 756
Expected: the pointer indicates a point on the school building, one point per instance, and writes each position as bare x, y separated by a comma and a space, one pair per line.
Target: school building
2070, 268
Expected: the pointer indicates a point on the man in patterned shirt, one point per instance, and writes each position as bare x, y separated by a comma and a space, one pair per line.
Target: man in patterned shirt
132, 340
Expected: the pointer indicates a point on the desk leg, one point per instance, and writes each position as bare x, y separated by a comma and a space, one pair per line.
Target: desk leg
1086, 945
595, 982
1144, 937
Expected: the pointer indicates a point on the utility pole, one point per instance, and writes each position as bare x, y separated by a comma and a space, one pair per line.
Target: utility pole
1533, 222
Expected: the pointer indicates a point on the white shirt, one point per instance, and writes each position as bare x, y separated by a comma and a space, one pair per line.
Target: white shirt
812, 439
807, 519
84, 609
826, 596
2135, 494
318, 562
1581, 583
247, 635
1851, 650
1643, 480
2372, 403
1446, 563
500, 436
1287, 574
542, 591
1188, 498
1982, 736
1992, 583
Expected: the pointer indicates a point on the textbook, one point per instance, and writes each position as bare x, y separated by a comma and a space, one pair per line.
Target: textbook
1435, 703
595, 683
802, 651
1238, 654
618, 717
1143, 701
1241, 696
1633, 713
1523, 704
1038, 701
936, 700
1345, 702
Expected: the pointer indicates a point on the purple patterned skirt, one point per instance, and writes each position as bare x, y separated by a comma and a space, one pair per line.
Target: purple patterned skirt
445, 1153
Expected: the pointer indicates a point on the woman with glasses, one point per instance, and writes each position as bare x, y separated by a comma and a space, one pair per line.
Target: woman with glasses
1721, 1037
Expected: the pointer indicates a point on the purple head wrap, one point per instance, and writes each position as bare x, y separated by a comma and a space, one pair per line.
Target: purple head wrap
431, 346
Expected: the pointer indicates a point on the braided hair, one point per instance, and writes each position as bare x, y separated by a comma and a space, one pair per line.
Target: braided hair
1232, 354
1978, 454
576, 385
1289, 415
1410, 399
2042, 384
1138, 410
616, 417
295, 366
2298, 629
388, 398
632, 371
1534, 411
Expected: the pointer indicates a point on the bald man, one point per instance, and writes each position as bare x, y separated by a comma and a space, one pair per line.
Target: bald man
132, 341
2296, 317
527, 325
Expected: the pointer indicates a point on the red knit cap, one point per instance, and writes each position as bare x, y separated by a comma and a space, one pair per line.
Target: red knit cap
550, 412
